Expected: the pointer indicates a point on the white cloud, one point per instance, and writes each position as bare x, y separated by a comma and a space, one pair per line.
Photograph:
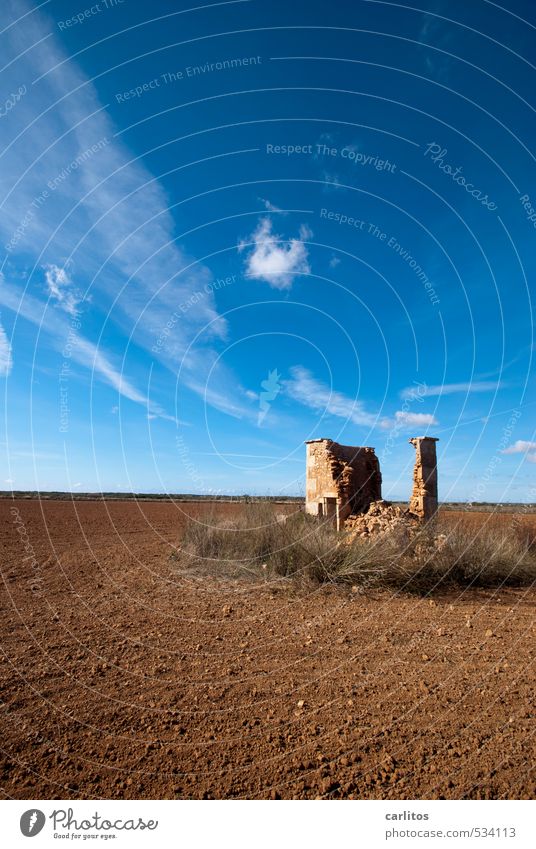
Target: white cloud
415, 419
273, 259
334, 261
270, 206
522, 446
61, 290
307, 390
425, 391
6, 360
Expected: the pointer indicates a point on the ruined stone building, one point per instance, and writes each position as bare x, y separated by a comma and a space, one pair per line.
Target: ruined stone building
340, 479
345, 480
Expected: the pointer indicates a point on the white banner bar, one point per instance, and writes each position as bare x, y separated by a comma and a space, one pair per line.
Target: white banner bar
265, 825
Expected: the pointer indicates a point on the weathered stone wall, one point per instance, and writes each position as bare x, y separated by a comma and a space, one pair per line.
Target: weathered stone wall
423, 501
348, 474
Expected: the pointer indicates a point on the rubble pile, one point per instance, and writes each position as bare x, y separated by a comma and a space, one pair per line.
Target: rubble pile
382, 517
403, 527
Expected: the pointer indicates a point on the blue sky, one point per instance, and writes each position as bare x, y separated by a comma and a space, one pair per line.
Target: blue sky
229, 229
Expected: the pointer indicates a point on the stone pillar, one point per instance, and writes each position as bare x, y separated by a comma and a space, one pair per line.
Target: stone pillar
423, 501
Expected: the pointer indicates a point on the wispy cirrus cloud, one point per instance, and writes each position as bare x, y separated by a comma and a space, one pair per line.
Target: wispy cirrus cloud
61, 289
275, 260
306, 389
71, 188
451, 388
271, 207
81, 350
205, 374
88, 355
6, 359
435, 31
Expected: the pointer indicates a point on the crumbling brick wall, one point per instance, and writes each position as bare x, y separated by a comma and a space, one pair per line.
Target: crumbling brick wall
423, 501
341, 479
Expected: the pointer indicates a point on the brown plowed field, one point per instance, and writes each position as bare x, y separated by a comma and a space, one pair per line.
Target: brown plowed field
125, 677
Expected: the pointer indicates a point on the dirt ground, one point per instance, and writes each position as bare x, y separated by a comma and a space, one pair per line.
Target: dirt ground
123, 676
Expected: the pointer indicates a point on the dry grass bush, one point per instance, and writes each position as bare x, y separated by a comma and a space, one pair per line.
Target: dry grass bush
262, 543
488, 555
